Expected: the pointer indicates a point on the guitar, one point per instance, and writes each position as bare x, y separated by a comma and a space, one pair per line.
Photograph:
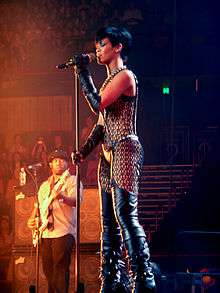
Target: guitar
44, 209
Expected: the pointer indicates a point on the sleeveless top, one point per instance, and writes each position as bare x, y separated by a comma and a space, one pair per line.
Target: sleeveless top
122, 150
120, 120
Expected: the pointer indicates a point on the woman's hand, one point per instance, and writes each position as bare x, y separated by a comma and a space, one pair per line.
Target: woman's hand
77, 157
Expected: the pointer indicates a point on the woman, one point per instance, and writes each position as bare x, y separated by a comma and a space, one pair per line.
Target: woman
120, 162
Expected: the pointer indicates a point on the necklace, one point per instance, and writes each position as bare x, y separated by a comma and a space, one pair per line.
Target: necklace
111, 76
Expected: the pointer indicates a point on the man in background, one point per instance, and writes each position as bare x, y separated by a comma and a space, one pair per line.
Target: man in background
57, 226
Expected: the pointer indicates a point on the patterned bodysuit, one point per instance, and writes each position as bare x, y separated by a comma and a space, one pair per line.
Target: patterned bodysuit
121, 145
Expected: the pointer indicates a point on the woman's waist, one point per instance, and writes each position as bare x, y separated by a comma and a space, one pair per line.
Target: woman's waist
110, 144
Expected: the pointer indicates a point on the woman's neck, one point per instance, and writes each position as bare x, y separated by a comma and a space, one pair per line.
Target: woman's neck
114, 65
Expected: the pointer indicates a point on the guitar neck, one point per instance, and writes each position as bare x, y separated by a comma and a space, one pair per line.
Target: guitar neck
58, 186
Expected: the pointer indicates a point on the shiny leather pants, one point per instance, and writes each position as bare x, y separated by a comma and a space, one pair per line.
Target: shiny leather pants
113, 275
119, 214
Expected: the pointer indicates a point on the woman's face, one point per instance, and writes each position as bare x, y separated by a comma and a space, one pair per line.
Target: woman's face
105, 52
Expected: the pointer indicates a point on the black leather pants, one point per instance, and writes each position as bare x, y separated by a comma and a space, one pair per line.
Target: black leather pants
113, 275
125, 207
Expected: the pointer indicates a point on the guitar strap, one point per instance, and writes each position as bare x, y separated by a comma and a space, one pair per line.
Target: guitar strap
50, 225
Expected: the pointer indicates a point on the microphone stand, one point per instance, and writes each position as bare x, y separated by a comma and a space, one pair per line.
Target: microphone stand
78, 287
35, 289
38, 240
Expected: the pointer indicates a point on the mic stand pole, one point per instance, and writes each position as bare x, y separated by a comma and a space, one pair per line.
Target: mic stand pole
78, 287
38, 240
35, 289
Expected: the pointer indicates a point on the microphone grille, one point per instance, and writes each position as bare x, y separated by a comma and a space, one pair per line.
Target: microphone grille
92, 57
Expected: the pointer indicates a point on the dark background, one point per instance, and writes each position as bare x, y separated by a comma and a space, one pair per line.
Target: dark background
175, 44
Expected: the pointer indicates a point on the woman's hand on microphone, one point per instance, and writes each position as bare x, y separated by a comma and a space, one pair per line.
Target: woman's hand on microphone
81, 62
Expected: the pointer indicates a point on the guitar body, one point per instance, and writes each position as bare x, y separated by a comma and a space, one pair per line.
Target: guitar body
44, 209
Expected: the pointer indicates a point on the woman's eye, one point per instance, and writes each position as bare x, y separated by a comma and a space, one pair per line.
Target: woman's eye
102, 44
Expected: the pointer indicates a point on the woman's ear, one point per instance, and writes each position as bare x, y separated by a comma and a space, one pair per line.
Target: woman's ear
118, 48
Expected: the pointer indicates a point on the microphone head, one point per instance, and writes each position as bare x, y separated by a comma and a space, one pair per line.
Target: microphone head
35, 166
62, 66
92, 57
83, 59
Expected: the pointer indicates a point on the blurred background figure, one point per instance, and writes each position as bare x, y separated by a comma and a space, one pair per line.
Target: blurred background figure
6, 241
5, 171
58, 143
6, 236
39, 148
18, 147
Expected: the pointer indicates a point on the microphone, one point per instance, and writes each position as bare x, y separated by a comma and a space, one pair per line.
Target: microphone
81, 59
34, 166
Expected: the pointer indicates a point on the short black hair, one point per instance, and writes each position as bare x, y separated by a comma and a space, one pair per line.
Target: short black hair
116, 35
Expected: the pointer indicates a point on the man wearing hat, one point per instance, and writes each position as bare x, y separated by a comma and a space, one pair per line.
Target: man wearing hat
57, 229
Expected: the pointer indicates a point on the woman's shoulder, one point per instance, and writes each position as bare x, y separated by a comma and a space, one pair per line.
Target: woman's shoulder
126, 77
129, 74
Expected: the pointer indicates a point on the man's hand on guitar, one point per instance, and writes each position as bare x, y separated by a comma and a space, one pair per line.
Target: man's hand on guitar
31, 223
57, 194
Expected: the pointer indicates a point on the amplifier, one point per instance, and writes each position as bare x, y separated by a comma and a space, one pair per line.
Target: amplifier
90, 218
24, 263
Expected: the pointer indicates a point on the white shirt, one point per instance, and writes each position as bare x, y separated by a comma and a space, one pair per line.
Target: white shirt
64, 215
